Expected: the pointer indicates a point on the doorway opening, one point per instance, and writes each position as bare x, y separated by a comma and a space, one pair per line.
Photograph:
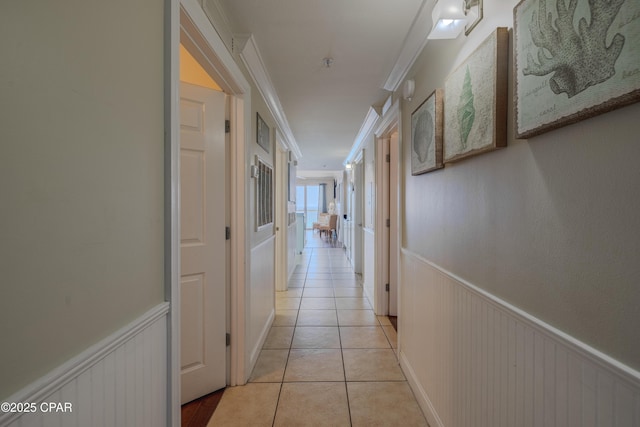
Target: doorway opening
307, 203
204, 252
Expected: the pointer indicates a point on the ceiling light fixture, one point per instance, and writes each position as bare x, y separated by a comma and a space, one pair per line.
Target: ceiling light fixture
448, 19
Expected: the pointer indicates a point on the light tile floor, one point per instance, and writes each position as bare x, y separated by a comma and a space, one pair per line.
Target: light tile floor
327, 361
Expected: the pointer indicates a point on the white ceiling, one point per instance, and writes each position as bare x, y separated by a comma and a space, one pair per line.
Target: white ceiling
325, 107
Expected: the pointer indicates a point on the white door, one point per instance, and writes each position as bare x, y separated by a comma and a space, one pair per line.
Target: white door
394, 250
202, 241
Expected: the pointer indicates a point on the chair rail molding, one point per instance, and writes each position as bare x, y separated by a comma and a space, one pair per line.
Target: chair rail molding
474, 359
123, 378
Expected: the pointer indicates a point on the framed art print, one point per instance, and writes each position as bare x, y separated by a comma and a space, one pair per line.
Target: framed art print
262, 133
573, 60
475, 101
426, 135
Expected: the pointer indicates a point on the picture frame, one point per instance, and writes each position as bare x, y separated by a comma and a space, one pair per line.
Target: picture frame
475, 101
426, 135
264, 196
591, 68
474, 14
263, 133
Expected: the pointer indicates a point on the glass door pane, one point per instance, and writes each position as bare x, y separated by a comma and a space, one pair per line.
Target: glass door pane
313, 194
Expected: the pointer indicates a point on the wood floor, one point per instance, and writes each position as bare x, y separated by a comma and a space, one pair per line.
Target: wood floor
198, 412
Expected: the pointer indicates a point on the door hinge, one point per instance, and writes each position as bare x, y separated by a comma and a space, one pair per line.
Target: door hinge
228, 339
388, 158
388, 222
227, 233
227, 126
386, 287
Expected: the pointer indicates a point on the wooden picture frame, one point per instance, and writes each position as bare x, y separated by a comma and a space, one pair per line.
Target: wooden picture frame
263, 133
475, 101
572, 61
426, 135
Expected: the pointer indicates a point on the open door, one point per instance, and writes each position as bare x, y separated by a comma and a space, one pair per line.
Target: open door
202, 241
387, 241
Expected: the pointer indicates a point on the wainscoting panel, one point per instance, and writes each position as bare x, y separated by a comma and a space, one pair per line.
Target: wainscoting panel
260, 299
120, 381
474, 360
292, 236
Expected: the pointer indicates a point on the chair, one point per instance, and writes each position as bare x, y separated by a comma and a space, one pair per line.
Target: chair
323, 220
331, 226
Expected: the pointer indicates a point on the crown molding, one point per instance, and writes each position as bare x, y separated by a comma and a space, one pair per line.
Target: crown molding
413, 44
389, 118
245, 46
367, 126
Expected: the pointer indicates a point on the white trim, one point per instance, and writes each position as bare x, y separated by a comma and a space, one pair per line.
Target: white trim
246, 47
472, 356
389, 120
414, 43
225, 66
172, 205
241, 116
428, 410
386, 126
39, 390
601, 359
381, 247
367, 125
255, 353
200, 30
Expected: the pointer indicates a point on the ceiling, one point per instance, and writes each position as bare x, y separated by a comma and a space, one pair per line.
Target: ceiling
325, 106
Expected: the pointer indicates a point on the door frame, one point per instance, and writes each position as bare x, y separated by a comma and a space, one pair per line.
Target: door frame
357, 214
389, 124
281, 212
186, 20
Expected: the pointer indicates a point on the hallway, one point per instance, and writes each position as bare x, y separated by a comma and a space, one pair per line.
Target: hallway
328, 360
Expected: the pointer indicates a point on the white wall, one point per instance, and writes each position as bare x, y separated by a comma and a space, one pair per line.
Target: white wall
120, 381
548, 226
81, 177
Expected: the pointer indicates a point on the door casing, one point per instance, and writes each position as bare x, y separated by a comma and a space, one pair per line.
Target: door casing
186, 20
388, 130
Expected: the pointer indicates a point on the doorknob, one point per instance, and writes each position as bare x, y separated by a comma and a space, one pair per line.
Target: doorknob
277, 228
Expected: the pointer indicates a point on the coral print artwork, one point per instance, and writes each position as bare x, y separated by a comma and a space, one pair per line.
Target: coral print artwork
574, 59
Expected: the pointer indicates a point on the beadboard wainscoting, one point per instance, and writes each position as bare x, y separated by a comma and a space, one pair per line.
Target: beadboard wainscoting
260, 299
120, 381
292, 236
474, 360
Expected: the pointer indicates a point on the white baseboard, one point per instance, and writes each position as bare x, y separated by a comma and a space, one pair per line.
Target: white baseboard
420, 394
255, 351
475, 360
122, 380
